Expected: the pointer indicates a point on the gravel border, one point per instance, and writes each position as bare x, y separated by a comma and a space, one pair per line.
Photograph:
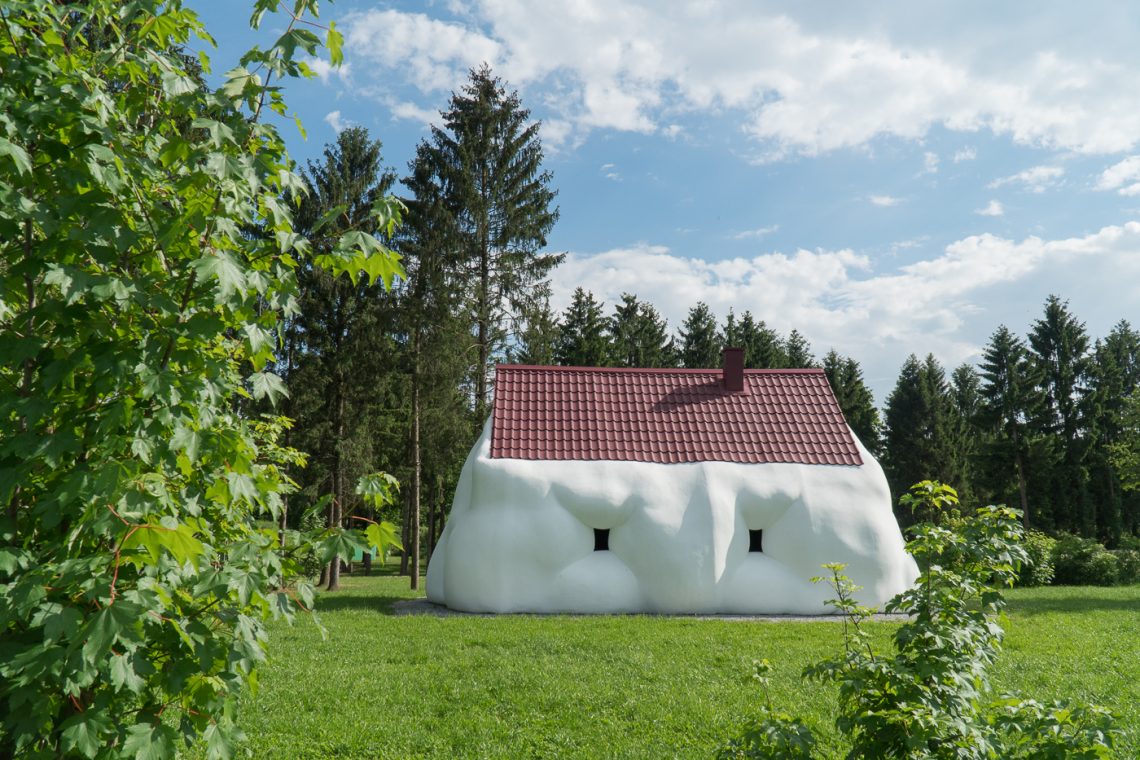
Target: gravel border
421, 606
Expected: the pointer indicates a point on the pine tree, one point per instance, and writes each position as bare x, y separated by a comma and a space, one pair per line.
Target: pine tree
487, 163
639, 335
538, 339
763, 348
435, 338
965, 397
699, 339
583, 339
337, 340
920, 441
1059, 351
1009, 399
854, 397
1113, 379
797, 352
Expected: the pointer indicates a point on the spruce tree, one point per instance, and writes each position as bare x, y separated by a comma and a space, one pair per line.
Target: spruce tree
338, 345
1009, 399
1113, 379
763, 348
486, 161
538, 339
854, 397
435, 336
920, 441
699, 339
797, 352
1059, 350
639, 335
582, 334
965, 397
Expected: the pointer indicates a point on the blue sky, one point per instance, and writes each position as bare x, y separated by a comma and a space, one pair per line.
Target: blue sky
887, 181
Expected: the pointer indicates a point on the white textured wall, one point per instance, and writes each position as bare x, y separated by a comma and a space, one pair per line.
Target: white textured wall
520, 537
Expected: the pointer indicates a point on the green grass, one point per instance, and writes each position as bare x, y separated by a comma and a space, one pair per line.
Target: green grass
636, 686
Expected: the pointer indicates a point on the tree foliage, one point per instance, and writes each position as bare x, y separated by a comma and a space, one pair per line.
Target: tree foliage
582, 333
854, 397
639, 335
700, 342
930, 696
138, 316
496, 208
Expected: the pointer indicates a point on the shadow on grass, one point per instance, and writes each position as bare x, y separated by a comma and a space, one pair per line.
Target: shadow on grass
1076, 605
337, 601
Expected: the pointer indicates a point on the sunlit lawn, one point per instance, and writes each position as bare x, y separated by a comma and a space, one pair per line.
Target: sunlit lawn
636, 686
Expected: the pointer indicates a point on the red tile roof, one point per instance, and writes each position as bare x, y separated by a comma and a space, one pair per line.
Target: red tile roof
668, 416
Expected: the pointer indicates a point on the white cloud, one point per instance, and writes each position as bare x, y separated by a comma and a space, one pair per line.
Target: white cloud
993, 208
965, 154
325, 70
334, 120
885, 200
412, 112
1123, 177
609, 171
757, 233
629, 65
1036, 180
930, 163
435, 53
947, 304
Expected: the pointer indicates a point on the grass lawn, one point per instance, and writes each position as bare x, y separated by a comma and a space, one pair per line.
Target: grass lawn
382, 686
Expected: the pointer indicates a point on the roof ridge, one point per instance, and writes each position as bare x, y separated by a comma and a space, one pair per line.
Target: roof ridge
655, 370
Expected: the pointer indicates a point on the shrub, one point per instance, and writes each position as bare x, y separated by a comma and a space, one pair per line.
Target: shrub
1037, 570
1128, 565
1079, 561
928, 699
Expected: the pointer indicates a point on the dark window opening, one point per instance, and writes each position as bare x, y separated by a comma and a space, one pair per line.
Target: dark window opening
755, 540
601, 539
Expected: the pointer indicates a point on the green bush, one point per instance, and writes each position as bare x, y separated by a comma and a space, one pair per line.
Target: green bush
1079, 561
1038, 569
1128, 541
929, 697
1128, 565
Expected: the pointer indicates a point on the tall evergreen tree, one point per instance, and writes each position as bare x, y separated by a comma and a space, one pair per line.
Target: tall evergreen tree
700, 342
1009, 399
763, 348
337, 341
538, 339
854, 397
583, 339
639, 335
966, 399
1113, 378
486, 161
797, 351
1059, 350
435, 337
920, 441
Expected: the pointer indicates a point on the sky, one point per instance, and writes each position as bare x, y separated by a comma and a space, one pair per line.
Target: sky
889, 180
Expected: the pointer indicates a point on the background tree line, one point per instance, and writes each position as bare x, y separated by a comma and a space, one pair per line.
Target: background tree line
401, 380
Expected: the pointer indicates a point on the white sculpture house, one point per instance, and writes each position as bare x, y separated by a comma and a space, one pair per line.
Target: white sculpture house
666, 490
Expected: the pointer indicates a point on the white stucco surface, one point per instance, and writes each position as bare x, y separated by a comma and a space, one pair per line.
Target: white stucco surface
521, 536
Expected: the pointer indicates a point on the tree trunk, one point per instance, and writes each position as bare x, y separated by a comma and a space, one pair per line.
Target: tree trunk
1021, 480
417, 464
405, 519
337, 506
484, 306
433, 506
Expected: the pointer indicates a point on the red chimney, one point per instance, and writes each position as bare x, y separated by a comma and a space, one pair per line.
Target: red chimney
733, 369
